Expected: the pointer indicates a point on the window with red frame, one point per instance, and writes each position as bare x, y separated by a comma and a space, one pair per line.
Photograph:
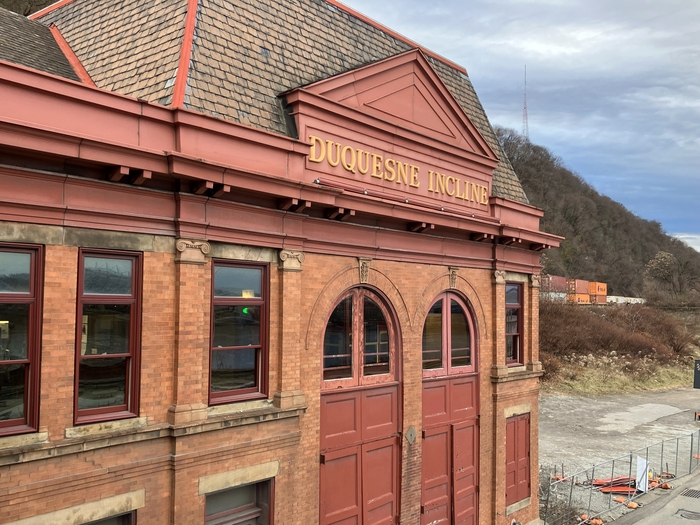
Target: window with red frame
108, 335
246, 505
358, 342
239, 332
20, 337
447, 337
514, 323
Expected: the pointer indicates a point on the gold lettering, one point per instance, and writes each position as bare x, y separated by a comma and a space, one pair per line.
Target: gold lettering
330, 151
430, 180
439, 183
321, 149
459, 185
389, 166
484, 195
402, 172
360, 154
414, 176
377, 165
447, 185
349, 166
475, 191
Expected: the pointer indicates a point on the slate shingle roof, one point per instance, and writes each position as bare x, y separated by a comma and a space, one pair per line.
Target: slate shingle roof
244, 54
31, 44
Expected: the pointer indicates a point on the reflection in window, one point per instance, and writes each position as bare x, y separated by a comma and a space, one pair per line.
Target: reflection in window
337, 343
514, 354
15, 271
447, 337
432, 338
460, 340
376, 339
107, 276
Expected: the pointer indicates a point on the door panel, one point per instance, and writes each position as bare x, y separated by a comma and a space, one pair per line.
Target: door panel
511, 462
437, 476
465, 446
340, 414
341, 487
523, 457
379, 413
436, 399
380, 481
463, 398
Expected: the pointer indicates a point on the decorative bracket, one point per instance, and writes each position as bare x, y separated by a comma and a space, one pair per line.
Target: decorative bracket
420, 227
364, 269
192, 252
293, 205
535, 280
291, 261
481, 237
340, 214
499, 277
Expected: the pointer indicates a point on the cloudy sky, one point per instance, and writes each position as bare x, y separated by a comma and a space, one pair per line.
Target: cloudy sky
613, 86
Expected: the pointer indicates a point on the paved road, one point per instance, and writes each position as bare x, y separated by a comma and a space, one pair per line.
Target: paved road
582, 431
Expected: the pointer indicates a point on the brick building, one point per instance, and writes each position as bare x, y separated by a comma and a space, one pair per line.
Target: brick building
260, 262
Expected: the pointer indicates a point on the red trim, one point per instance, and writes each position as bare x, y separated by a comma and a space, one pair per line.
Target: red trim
396, 35
49, 9
183, 65
73, 59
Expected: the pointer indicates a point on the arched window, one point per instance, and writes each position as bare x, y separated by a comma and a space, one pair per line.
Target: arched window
448, 338
358, 345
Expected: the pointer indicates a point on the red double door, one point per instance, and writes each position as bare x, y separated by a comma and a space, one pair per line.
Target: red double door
450, 489
360, 457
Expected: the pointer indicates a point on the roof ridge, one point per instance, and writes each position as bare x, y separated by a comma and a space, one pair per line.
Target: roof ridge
183, 65
393, 34
49, 9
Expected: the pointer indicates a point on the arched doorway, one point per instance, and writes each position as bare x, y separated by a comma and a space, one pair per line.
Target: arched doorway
360, 412
450, 415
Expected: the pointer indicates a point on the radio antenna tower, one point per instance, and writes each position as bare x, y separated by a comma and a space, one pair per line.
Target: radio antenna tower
526, 129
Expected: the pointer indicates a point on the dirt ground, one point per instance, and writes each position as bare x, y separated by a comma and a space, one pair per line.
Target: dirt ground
582, 431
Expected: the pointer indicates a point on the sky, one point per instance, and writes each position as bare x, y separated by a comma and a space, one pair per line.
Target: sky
613, 86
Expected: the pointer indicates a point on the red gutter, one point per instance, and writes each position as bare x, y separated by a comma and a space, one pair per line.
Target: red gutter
49, 9
396, 35
73, 60
183, 65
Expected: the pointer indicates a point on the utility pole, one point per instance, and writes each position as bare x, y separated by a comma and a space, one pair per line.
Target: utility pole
526, 129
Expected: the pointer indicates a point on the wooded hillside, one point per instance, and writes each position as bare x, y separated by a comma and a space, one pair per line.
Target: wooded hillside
604, 241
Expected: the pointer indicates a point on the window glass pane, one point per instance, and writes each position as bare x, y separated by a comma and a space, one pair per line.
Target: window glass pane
512, 321
512, 294
233, 369
236, 326
12, 386
337, 342
102, 383
107, 276
105, 329
230, 499
237, 282
14, 272
459, 330
511, 347
376, 340
432, 338
14, 330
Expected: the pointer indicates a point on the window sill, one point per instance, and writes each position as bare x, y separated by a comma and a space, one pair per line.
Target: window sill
106, 427
518, 505
504, 373
238, 408
23, 440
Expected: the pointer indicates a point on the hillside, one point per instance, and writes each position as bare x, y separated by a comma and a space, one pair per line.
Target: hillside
604, 241
25, 7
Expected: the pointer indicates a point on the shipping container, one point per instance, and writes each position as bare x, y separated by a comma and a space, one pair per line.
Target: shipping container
578, 298
577, 286
595, 288
555, 283
598, 299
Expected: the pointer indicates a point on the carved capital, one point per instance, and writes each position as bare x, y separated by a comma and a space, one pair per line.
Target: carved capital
499, 277
192, 252
453, 276
364, 269
290, 261
535, 280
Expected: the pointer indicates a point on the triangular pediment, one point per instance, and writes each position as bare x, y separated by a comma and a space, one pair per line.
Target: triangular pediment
406, 91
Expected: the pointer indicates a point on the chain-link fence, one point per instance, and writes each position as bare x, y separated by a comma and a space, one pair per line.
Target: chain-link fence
604, 488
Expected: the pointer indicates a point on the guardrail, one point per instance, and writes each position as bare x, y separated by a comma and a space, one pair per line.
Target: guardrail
592, 492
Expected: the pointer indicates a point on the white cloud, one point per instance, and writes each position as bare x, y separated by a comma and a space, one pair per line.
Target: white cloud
691, 240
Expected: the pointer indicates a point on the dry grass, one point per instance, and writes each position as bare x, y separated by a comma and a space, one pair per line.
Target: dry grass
589, 351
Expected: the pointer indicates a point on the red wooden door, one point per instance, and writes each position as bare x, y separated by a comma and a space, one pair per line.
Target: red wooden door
517, 458
380, 481
465, 446
437, 476
341, 490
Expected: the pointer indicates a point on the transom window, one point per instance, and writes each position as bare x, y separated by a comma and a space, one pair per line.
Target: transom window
239, 335
514, 303
20, 328
108, 335
358, 342
447, 337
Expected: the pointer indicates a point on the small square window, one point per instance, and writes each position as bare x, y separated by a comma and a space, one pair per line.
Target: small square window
246, 505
